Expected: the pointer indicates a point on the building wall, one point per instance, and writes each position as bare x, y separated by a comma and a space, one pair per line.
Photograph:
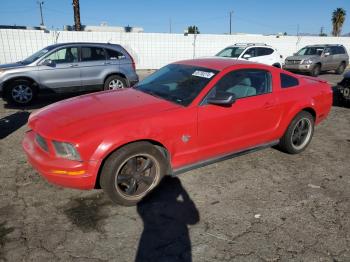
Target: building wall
150, 50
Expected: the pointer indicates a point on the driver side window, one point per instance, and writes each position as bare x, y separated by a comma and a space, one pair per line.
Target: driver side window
64, 55
244, 83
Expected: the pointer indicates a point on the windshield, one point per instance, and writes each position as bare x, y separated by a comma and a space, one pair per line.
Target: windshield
36, 55
231, 52
177, 83
315, 50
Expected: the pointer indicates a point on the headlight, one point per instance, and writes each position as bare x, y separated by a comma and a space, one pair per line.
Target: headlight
307, 61
66, 150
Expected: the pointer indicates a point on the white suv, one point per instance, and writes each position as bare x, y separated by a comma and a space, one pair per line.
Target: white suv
259, 53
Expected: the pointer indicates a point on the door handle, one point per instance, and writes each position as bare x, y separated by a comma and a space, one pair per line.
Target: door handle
73, 65
269, 104
107, 63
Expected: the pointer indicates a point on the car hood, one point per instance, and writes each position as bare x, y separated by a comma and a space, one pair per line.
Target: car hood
303, 57
10, 66
75, 117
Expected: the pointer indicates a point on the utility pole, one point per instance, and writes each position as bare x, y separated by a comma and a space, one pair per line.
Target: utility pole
40, 3
76, 9
321, 33
231, 12
170, 31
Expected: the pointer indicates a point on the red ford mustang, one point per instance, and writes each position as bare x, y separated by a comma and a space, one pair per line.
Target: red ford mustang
187, 114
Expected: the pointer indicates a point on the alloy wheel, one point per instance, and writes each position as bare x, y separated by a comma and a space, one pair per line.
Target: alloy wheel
301, 133
115, 84
22, 94
137, 175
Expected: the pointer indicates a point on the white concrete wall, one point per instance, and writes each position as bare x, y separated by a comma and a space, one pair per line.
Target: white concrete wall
150, 50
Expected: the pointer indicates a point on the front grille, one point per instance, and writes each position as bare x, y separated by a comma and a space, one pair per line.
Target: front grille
293, 62
41, 142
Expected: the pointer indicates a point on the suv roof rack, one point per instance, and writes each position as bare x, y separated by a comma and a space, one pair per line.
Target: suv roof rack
248, 44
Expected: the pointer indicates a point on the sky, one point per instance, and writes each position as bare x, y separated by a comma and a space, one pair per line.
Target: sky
211, 17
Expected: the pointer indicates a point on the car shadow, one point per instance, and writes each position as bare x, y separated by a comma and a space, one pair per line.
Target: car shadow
166, 214
44, 100
11, 123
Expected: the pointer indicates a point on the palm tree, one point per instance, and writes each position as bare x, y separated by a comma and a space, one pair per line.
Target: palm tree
338, 18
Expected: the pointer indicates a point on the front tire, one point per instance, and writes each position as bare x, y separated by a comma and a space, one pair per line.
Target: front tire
131, 172
20, 92
299, 134
114, 82
316, 70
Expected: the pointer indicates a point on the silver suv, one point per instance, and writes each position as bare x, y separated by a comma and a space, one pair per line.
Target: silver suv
314, 59
69, 67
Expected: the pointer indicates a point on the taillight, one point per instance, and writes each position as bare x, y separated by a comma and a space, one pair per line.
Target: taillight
132, 60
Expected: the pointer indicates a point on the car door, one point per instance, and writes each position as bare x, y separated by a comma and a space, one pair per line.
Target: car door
249, 122
263, 56
336, 57
327, 59
59, 70
93, 66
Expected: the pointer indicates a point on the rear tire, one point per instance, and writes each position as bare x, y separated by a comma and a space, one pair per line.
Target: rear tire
131, 172
316, 70
20, 92
299, 134
341, 68
114, 82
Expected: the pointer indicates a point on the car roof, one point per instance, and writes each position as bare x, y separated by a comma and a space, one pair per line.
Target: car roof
216, 63
82, 43
323, 45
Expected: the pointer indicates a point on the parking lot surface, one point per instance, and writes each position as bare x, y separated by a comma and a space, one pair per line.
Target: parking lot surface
264, 206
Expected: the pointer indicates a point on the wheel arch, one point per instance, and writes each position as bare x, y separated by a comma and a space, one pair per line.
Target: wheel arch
161, 147
8, 81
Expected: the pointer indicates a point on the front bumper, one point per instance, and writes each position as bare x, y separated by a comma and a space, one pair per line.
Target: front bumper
298, 67
62, 172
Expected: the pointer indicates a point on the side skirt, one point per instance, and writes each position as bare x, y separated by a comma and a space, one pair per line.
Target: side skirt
222, 158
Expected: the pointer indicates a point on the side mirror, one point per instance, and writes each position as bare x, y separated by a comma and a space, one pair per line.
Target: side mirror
327, 54
247, 56
48, 62
222, 99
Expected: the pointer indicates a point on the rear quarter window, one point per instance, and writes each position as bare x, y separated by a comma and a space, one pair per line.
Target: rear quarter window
288, 81
114, 54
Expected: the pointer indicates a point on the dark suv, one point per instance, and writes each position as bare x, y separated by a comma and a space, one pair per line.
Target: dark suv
67, 67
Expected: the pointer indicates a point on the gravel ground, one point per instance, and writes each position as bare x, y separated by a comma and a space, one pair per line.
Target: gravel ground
264, 206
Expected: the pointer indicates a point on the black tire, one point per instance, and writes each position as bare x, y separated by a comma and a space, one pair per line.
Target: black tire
287, 143
316, 70
123, 182
20, 92
277, 65
119, 81
341, 68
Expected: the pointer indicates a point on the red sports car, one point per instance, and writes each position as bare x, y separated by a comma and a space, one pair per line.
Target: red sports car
185, 115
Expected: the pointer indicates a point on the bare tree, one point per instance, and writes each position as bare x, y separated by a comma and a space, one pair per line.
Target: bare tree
338, 18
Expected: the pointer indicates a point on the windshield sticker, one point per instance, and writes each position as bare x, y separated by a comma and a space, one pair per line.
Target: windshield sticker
203, 74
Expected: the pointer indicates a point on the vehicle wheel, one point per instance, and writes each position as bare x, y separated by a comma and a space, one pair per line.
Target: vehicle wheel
316, 70
277, 65
20, 92
299, 133
341, 68
114, 82
131, 172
